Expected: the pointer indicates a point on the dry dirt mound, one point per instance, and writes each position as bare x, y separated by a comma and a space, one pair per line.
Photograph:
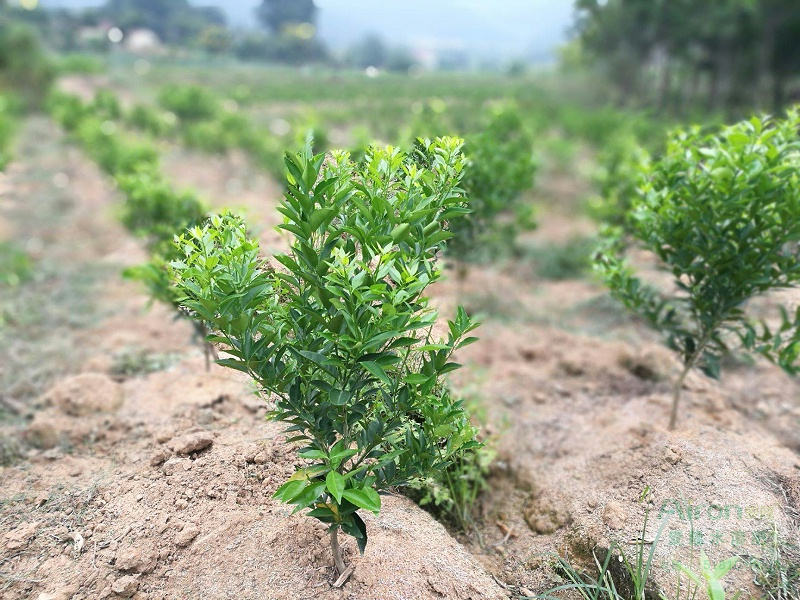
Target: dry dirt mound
179, 505
584, 455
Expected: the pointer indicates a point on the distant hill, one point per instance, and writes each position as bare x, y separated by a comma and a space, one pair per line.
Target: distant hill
500, 28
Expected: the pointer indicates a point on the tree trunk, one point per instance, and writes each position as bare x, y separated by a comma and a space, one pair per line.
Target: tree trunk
666, 85
209, 351
337, 551
676, 395
778, 92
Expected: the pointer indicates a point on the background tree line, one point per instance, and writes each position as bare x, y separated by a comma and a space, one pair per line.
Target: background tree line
288, 31
683, 54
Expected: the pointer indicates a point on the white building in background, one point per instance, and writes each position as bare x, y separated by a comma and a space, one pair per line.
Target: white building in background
142, 41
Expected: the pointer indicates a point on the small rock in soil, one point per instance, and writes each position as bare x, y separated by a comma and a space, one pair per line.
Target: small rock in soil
185, 536
126, 586
65, 593
159, 457
136, 560
545, 516
614, 515
162, 436
192, 442
86, 394
673, 455
21, 535
174, 465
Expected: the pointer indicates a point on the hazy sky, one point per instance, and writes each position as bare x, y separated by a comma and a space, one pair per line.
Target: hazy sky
506, 28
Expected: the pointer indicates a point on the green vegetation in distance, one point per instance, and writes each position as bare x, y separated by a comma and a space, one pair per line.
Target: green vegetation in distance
341, 336
501, 167
9, 115
722, 215
25, 69
622, 164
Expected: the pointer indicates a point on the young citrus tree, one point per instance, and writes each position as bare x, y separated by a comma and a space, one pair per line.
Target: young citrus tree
722, 215
339, 334
623, 163
156, 212
501, 168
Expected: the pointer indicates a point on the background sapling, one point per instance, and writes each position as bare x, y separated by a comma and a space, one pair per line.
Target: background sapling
339, 333
501, 168
721, 213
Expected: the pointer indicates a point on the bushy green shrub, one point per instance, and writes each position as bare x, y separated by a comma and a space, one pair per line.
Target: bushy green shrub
721, 213
80, 63
15, 265
501, 167
9, 115
189, 102
106, 105
206, 136
559, 261
116, 153
67, 109
154, 210
268, 154
623, 163
25, 68
151, 120
340, 333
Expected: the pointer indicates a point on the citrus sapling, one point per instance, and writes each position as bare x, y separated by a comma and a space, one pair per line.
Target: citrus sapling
338, 332
501, 167
721, 214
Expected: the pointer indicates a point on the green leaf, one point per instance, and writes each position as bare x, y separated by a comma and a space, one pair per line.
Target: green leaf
339, 457
449, 367
334, 482
308, 495
323, 513
362, 529
416, 379
318, 217
365, 498
290, 490
339, 397
377, 371
466, 342
314, 357
312, 454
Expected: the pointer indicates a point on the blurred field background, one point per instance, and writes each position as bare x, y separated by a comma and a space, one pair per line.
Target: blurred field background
123, 121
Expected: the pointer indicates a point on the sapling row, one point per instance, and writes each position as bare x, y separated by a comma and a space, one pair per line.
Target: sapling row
338, 333
721, 214
153, 210
205, 123
501, 168
9, 113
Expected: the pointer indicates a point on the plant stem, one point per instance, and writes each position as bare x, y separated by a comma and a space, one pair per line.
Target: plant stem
676, 394
337, 551
688, 366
